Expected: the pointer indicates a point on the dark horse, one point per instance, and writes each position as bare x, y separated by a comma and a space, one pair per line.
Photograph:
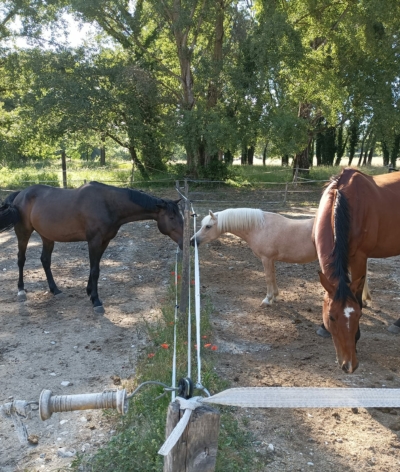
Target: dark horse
92, 213
358, 217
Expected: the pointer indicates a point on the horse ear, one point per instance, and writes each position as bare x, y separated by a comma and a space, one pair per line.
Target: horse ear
330, 288
357, 285
177, 201
161, 206
213, 217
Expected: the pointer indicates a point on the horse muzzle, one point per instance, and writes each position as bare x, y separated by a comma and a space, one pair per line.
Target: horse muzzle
349, 367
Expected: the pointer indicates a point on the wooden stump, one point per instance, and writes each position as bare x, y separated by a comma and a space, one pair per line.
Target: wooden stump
196, 450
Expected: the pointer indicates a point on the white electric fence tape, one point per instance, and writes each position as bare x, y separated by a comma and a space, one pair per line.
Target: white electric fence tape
197, 306
286, 397
299, 397
173, 438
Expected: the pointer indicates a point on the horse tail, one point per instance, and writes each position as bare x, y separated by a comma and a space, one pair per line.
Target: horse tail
340, 253
10, 199
9, 216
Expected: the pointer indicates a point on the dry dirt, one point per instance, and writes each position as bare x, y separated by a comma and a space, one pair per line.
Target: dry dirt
47, 340
274, 346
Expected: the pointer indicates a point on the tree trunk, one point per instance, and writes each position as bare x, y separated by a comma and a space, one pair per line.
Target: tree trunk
395, 151
103, 151
250, 155
137, 162
214, 87
371, 152
264, 158
386, 154
243, 156
353, 140
301, 162
285, 160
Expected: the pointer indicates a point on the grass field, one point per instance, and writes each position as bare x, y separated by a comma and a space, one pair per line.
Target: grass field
120, 173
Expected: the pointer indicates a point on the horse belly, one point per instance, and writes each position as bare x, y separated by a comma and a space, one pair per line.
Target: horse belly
58, 229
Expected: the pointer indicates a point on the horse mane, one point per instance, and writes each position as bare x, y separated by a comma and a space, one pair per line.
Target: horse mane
237, 219
148, 202
341, 233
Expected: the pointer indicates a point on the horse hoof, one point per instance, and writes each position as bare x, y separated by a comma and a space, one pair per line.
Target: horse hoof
266, 302
21, 297
323, 332
394, 329
57, 292
99, 310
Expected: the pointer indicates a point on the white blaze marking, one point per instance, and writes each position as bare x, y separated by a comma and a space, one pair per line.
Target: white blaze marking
347, 311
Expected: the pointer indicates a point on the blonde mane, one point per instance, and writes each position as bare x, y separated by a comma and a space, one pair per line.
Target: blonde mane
237, 219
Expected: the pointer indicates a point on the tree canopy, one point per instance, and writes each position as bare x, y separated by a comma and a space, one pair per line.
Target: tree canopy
218, 78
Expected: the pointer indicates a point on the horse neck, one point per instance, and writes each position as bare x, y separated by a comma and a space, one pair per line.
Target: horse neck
130, 211
241, 233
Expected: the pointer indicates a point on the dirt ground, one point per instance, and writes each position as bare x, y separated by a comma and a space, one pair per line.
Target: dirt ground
47, 340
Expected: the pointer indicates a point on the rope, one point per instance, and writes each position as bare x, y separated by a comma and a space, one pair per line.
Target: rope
175, 323
197, 306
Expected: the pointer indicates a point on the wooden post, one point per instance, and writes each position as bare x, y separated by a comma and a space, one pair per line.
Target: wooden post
186, 254
196, 450
64, 168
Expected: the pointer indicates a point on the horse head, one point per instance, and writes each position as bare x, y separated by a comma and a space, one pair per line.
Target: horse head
341, 316
208, 231
170, 221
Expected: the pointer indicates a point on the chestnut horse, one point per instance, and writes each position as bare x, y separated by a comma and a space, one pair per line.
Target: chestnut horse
270, 236
92, 213
358, 218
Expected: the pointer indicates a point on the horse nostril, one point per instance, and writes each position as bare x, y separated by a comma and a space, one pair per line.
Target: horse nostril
346, 367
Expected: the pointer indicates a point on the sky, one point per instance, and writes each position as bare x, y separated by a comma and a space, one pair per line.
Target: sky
77, 34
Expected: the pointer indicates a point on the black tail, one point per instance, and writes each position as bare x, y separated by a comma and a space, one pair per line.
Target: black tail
10, 199
9, 216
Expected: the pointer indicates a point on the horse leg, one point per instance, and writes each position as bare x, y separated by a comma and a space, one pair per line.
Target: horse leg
45, 258
96, 250
23, 236
272, 289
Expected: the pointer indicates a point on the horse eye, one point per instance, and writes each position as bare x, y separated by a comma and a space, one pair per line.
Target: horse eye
208, 226
331, 318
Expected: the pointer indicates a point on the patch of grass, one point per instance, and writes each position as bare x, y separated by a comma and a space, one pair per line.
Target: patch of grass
142, 431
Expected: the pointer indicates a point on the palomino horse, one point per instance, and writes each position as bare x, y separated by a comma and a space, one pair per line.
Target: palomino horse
271, 237
358, 217
92, 213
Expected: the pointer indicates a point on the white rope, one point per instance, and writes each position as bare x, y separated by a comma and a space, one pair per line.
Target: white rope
189, 332
197, 305
299, 397
173, 394
173, 438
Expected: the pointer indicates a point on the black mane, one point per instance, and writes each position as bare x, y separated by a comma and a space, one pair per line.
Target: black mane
148, 202
340, 252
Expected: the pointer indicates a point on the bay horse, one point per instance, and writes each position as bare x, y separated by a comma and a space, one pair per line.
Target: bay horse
93, 212
271, 237
358, 218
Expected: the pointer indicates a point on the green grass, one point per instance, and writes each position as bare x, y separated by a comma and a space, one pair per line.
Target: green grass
142, 431
119, 172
